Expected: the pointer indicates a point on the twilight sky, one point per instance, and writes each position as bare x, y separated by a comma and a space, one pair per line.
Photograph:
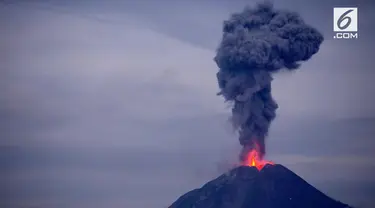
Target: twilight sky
109, 104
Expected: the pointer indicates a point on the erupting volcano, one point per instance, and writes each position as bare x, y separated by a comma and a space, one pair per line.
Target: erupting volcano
253, 159
257, 43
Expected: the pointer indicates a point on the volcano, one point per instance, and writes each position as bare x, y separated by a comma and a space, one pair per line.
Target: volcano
273, 186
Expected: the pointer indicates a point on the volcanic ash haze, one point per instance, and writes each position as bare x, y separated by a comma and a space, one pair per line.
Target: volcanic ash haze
257, 42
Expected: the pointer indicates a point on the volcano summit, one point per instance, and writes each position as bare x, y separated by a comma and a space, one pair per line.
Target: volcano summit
274, 186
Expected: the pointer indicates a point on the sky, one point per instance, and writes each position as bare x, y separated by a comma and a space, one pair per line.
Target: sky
113, 104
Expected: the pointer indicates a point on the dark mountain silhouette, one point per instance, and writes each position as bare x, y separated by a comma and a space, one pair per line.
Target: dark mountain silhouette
245, 187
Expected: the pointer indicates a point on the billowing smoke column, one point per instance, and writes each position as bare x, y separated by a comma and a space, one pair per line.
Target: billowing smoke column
256, 43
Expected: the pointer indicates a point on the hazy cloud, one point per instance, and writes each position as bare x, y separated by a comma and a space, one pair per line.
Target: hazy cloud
77, 82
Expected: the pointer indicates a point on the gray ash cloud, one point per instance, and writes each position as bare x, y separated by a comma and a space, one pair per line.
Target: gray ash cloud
256, 43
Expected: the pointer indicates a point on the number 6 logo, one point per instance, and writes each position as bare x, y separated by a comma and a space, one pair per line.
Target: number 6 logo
345, 19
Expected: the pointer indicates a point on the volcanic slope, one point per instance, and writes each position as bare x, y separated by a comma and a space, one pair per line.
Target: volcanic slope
274, 186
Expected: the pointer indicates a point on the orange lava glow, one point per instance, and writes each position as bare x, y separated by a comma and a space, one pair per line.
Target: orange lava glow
254, 160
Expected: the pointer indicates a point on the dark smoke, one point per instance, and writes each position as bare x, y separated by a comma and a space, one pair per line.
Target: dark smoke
256, 43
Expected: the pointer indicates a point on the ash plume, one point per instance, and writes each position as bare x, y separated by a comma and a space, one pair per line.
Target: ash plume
256, 43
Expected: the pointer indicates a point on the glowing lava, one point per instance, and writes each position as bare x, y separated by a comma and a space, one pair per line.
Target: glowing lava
254, 160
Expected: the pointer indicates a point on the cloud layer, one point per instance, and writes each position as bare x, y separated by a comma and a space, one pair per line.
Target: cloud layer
77, 129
